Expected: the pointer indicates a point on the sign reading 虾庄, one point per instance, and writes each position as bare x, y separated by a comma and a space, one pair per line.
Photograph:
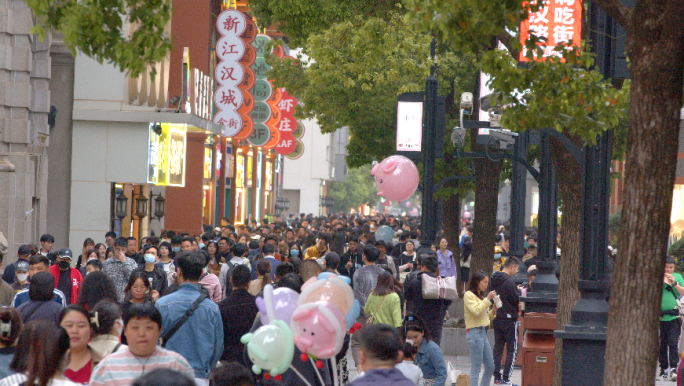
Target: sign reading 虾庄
559, 21
166, 155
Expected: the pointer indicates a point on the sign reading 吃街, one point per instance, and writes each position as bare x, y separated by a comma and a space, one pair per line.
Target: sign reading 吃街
229, 72
166, 155
559, 21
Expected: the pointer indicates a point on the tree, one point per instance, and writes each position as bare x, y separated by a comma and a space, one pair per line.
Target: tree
358, 190
355, 72
655, 46
97, 28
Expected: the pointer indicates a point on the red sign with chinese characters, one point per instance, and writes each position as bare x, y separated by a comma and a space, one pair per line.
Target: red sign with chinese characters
229, 72
559, 21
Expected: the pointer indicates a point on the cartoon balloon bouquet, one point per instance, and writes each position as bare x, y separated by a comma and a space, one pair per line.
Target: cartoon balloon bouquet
316, 321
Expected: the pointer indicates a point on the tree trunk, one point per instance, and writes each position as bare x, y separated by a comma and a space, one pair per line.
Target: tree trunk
569, 180
451, 223
487, 175
655, 46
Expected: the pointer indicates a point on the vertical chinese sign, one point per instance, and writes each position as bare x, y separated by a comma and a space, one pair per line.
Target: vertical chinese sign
559, 21
248, 80
230, 48
262, 90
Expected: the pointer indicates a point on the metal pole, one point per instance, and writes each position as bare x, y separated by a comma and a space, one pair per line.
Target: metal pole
429, 217
518, 193
585, 336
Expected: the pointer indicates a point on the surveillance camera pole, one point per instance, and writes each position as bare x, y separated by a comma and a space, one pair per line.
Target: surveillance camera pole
429, 215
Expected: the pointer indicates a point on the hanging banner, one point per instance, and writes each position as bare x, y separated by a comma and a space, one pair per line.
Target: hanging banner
272, 102
230, 48
559, 21
261, 91
248, 79
287, 124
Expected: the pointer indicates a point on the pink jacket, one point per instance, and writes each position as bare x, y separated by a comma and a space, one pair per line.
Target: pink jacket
212, 284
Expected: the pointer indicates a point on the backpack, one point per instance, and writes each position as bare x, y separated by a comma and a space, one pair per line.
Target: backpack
229, 287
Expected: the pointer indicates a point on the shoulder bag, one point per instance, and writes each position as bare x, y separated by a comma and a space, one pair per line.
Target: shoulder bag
371, 318
439, 287
186, 316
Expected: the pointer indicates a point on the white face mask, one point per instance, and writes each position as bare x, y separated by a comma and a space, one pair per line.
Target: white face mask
118, 326
22, 276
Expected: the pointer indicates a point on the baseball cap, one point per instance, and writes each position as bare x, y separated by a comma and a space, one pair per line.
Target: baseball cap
332, 257
24, 250
21, 266
65, 253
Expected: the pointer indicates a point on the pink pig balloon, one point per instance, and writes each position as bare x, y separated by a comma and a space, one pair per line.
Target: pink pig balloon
396, 178
318, 329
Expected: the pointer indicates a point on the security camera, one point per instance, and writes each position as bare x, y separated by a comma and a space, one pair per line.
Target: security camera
492, 101
458, 135
495, 117
504, 137
467, 103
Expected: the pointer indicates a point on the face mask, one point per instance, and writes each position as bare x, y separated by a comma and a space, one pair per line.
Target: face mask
22, 276
176, 249
64, 265
526, 244
294, 252
201, 245
211, 261
150, 259
497, 256
118, 326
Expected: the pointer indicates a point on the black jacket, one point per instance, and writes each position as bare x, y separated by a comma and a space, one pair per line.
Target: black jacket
356, 263
430, 310
506, 288
238, 311
159, 278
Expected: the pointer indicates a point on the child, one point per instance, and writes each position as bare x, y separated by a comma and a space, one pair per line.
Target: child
407, 367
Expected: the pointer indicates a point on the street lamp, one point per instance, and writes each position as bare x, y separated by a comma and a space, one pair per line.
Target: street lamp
121, 206
159, 206
141, 206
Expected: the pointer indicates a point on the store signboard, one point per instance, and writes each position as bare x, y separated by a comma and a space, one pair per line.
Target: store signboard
409, 126
559, 21
166, 155
240, 172
207, 162
269, 176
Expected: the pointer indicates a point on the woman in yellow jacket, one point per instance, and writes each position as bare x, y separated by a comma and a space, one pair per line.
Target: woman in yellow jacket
477, 318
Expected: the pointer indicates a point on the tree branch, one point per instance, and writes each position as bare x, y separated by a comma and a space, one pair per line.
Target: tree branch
619, 12
505, 38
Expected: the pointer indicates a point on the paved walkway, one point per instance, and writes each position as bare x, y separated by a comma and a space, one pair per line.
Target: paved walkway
463, 364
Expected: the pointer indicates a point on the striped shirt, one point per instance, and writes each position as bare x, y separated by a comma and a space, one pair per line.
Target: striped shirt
123, 368
23, 296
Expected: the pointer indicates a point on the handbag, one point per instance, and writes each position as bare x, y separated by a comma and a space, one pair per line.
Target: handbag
439, 287
680, 301
452, 374
371, 318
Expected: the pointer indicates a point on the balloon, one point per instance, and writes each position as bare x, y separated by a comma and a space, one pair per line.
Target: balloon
318, 329
408, 204
334, 289
325, 275
284, 302
271, 348
384, 233
396, 178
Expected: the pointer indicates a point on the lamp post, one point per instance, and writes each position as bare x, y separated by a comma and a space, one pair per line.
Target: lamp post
429, 215
121, 206
159, 206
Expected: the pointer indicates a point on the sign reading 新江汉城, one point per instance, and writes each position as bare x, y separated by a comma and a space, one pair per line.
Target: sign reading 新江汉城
229, 72
559, 21
166, 155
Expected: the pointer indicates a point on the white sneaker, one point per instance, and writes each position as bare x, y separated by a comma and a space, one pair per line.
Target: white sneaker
672, 374
663, 376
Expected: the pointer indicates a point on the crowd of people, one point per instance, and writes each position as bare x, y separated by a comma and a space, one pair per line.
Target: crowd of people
175, 306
